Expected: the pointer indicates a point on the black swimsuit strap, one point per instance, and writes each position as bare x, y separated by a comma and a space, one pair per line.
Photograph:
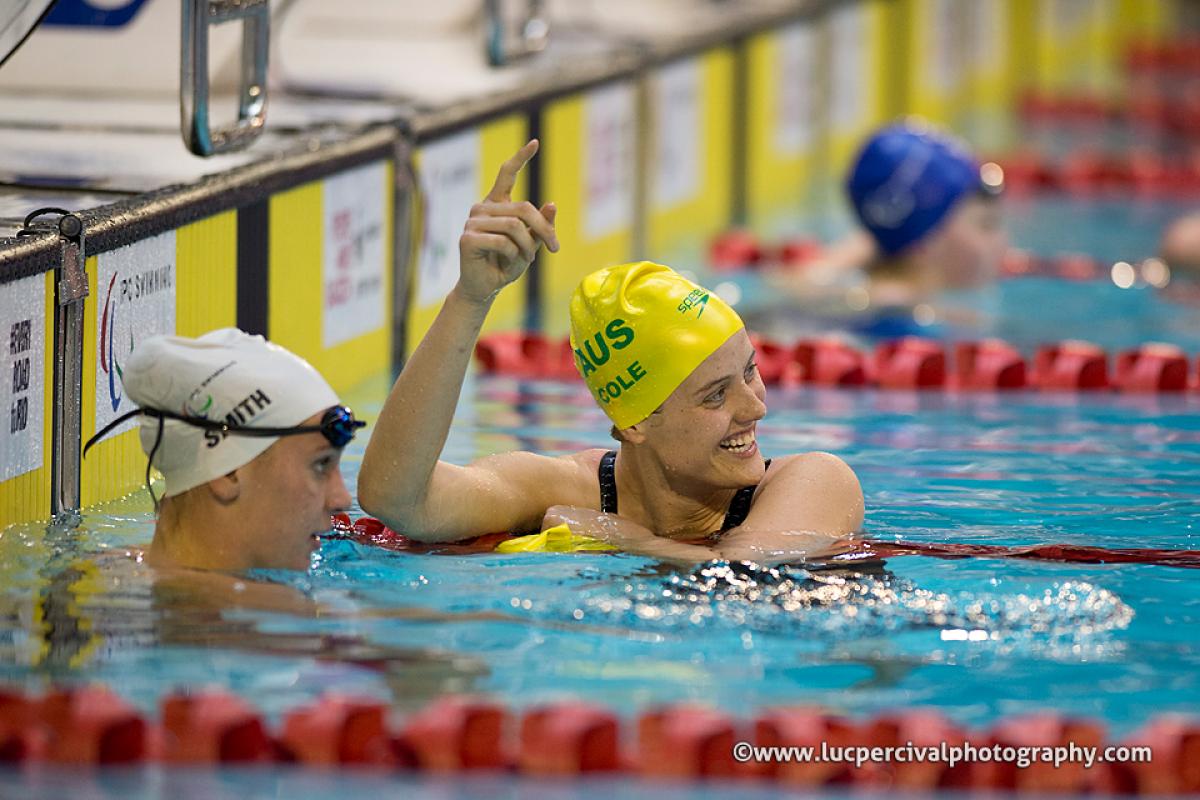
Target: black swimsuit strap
739, 507
608, 482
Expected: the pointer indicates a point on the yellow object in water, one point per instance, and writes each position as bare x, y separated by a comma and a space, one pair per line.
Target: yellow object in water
558, 539
638, 330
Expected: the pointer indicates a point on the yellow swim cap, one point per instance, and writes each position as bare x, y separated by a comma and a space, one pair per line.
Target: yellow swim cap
638, 330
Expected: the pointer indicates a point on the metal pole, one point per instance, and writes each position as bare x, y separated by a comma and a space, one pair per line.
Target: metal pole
71, 292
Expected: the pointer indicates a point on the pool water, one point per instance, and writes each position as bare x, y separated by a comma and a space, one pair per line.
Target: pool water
977, 638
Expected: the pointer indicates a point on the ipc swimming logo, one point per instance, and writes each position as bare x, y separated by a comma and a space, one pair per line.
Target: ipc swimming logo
108, 354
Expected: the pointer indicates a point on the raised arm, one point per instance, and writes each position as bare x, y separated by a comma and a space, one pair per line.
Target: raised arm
402, 481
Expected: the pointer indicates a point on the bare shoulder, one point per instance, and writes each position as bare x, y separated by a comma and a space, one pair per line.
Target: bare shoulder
813, 467
814, 491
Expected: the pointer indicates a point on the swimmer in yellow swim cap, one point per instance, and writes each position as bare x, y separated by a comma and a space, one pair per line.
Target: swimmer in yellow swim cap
672, 367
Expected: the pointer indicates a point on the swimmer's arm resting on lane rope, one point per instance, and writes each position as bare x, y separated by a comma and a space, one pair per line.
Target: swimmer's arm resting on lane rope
402, 481
804, 508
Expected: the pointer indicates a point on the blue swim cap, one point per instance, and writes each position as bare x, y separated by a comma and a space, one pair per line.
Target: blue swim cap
905, 181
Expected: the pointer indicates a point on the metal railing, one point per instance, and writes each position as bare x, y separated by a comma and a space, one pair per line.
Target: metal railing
195, 116
531, 38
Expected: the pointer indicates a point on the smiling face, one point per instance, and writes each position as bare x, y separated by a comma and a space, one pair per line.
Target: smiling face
288, 494
705, 432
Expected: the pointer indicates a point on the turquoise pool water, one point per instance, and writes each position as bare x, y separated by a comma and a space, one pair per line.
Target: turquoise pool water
977, 638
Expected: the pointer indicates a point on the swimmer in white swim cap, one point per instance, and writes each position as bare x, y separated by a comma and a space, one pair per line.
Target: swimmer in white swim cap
249, 438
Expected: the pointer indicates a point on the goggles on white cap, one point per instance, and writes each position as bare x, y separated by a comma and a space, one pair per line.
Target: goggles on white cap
337, 426
212, 404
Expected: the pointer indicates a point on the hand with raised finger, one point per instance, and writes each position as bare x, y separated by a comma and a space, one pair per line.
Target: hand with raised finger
502, 237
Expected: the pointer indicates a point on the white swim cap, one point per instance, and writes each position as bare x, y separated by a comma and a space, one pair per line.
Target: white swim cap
225, 375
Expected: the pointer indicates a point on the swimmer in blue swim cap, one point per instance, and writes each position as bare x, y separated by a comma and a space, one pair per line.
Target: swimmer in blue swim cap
931, 211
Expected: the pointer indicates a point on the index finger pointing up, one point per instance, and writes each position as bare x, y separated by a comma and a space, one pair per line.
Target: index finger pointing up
507, 178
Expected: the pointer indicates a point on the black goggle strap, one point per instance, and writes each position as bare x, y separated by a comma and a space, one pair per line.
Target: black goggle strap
325, 428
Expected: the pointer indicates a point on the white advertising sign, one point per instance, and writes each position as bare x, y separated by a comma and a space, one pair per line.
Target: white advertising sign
946, 64
135, 299
796, 99
610, 145
22, 375
848, 46
677, 149
353, 264
987, 22
449, 180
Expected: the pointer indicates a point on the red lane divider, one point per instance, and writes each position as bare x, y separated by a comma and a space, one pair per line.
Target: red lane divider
1025, 169
1137, 171
1063, 553
1070, 365
92, 725
213, 727
22, 737
339, 730
988, 365
923, 728
1175, 742
687, 742
456, 733
911, 364
568, 739
1153, 368
739, 249
1152, 107
803, 728
388, 539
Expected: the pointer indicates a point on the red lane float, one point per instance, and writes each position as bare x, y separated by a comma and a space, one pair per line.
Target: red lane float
388, 539
805, 728
910, 363
923, 728
1070, 366
686, 742
988, 365
1152, 368
569, 739
575, 738
829, 362
734, 250
22, 737
456, 733
526, 355
92, 725
1174, 742
1136, 171
213, 727
797, 253
339, 730
772, 358
1042, 731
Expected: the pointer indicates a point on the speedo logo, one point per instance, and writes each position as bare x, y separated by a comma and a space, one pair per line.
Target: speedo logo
240, 415
594, 353
698, 298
